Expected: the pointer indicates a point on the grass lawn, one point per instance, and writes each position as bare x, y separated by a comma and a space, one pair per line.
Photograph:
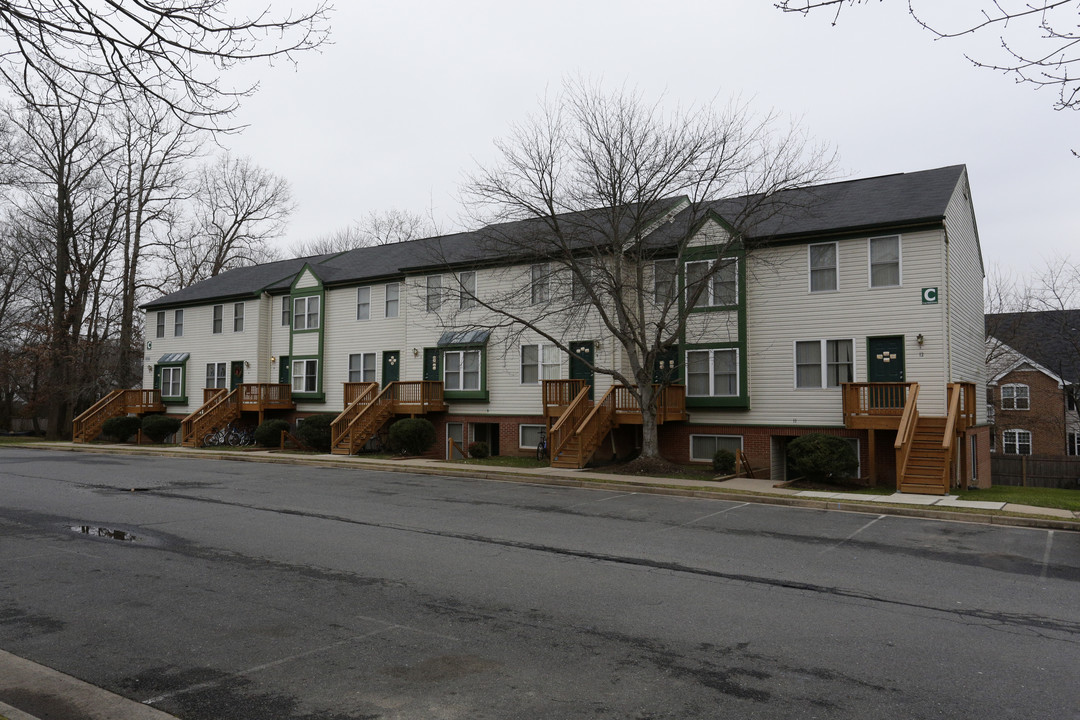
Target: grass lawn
1039, 497
505, 461
19, 439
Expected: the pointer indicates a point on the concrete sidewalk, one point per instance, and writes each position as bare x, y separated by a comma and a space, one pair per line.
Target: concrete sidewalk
741, 489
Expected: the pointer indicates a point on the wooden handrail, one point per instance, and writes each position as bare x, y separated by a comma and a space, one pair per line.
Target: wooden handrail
361, 396
950, 419
596, 424
209, 394
906, 432
565, 428
559, 393
93, 416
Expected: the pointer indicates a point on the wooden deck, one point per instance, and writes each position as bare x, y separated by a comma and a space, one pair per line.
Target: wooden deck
367, 410
138, 401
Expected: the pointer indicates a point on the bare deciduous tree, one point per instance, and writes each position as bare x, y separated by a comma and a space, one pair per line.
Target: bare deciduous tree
237, 208
595, 195
171, 51
1039, 39
377, 228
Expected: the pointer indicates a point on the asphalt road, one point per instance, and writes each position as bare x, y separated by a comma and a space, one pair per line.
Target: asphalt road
241, 590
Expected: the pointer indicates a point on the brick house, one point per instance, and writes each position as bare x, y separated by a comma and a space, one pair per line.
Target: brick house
1032, 382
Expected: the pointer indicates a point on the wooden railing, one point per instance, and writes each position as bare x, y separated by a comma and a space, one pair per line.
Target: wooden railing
221, 409
419, 396
874, 404
961, 416
357, 395
356, 390
209, 394
266, 396
566, 426
88, 424
596, 425
413, 397
905, 433
670, 403
559, 394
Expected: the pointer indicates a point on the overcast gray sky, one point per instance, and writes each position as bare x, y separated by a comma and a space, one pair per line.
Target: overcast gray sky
412, 94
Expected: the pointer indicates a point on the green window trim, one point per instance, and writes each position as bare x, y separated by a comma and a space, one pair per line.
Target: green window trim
740, 401
180, 399
310, 396
480, 395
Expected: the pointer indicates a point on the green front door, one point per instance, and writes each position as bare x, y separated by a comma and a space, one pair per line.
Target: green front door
391, 366
581, 363
666, 368
885, 359
284, 372
431, 364
237, 376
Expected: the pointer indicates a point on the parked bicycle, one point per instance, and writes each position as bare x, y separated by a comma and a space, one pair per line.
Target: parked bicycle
233, 435
542, 447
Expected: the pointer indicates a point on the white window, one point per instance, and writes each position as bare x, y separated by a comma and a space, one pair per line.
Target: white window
703, 447
823, 270
161, 323
712, 373
286, 311
305, 376
219, 313
1016, 442
538, 276
718, 280
392, 290
216, 375
664, 281
434, 292
1073, 444
461, 370
1015, 397
362, 367
539, 362
178, 323
306, 313
171, 381
238, 317
582, 279
824, 363
363, 303
529, 436
467, 299
885, 261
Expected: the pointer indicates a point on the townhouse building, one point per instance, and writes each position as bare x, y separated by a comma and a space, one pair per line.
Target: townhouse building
857, 313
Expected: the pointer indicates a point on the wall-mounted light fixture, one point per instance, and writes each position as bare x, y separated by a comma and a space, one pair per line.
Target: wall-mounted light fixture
150, 367
273, 359
247, 364
920, 339
415, 352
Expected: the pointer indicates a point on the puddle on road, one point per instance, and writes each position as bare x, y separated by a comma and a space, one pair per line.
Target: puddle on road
122, 535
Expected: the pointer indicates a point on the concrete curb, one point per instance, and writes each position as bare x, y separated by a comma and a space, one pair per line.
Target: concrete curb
652, 486
51, 693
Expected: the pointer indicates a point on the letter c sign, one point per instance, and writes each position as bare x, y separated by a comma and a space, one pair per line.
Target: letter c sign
929, 296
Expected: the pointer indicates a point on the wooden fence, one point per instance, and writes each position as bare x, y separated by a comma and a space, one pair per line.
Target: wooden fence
1049, 471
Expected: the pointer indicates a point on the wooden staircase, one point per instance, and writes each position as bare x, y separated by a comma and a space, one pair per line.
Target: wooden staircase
926, 447
220, 410
927, 469
583, 425
88, 424
369, 411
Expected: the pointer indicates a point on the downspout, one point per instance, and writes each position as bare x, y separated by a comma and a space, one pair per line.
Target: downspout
948, 307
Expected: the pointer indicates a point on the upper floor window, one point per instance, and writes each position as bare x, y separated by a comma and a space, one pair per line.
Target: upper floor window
539, 362
1015, 397
582, 278
363, 303
305, 376
1070, 398
885, 261
1072, 446
362, 367
539, 283
1016, 442
219, 314
712, 373
718, 281
467, 281
461, 370
664, 281
178, 323
823, 268
434, 292
286, 311
172, 382
238, 317
161, 324
216, 375
391, 309
306, 313
824, 363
